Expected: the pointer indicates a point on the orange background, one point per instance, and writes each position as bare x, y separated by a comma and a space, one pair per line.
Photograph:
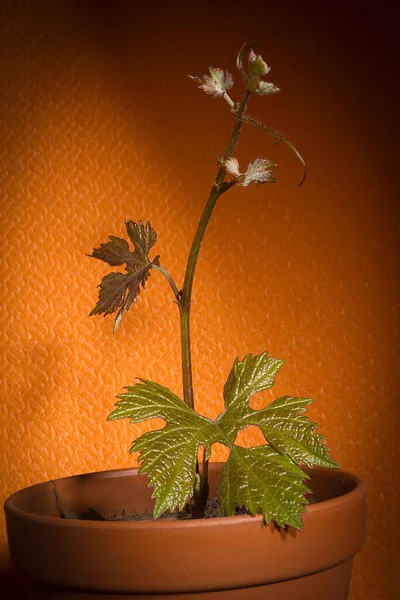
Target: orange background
99, 124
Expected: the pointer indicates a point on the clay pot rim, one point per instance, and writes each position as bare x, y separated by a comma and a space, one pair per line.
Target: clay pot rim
11, 504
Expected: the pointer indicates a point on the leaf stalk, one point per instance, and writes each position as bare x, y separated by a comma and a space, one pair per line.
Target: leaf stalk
169, 279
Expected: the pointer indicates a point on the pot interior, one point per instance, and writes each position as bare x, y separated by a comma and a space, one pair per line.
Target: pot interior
110, 493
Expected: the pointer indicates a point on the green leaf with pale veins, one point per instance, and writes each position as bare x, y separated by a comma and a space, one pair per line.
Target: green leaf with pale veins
247, 377
118, 291
282, 422
265, 479
168, 455
291, 432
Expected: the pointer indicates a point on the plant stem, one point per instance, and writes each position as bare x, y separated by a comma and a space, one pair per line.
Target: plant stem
199, 496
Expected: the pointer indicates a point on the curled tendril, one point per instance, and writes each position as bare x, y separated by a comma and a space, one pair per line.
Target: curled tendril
278, 139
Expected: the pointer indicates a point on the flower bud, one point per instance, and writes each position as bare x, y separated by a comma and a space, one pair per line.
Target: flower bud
257, 66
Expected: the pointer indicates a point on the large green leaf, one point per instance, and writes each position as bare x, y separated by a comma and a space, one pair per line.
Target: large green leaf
120, 290
247, 377
168, 455
266, 479
282, 422
291, 432
263, 481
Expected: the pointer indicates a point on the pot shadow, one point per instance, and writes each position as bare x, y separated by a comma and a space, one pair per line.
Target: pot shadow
15, 586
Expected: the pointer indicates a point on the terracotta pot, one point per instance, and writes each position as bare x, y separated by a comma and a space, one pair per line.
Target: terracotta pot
234, 558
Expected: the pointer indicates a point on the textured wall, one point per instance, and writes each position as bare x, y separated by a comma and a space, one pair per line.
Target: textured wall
100, 124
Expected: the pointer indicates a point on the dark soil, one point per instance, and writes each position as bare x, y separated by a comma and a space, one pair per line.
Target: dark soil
213, 510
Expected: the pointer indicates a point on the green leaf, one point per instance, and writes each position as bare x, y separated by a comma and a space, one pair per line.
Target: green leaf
118, 291
247, 377
282, 422
291, 432
263, 481
168, 455
267, 478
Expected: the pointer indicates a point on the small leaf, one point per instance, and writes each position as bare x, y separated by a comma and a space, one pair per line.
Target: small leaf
264, 88
111, 294
115, 253
259, 171
257, 66
121, 290
222, 79
216, 82
232, 166
143, 237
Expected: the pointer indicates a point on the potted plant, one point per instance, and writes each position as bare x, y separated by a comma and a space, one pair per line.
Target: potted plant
287, 521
